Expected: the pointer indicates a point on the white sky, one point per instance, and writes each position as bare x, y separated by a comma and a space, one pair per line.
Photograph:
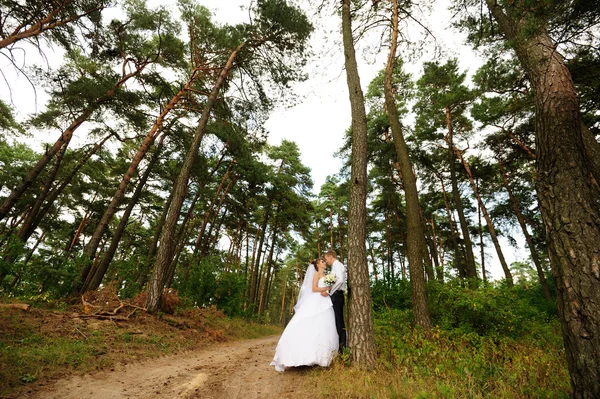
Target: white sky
318, 122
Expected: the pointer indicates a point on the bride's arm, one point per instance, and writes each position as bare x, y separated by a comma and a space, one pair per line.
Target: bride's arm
315, 285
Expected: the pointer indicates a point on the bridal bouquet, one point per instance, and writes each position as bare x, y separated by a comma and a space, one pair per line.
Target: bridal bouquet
330, 279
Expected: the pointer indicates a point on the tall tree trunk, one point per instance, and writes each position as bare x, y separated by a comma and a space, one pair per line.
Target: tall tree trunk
340, 235
29, 224
453, 233
264, 297
145, 270
415, 237
92, 246
166, 249
481, 246
65, 137
255, 280
568, 199
98, 274
528, 239
82, 225
490, 225
362, 339
470, 268
439, 263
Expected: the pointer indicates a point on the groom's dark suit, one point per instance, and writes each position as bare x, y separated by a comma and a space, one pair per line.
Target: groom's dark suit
337, 299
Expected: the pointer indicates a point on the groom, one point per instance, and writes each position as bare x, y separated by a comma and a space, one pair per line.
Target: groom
336, 292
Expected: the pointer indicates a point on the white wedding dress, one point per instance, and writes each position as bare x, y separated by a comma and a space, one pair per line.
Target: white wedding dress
310, 338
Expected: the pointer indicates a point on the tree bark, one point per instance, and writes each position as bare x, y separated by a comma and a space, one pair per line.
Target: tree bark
415, 237
361, 334
567, 196
166, 249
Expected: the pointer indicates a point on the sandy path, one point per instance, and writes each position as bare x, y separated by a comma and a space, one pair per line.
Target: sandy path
227, 371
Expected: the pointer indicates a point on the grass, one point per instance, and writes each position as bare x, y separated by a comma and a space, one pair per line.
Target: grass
448, 364
44, 344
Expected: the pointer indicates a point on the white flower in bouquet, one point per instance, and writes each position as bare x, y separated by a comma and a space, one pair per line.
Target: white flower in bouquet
330, 279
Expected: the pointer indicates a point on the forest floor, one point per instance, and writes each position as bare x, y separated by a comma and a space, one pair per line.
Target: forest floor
232, 370
47, 353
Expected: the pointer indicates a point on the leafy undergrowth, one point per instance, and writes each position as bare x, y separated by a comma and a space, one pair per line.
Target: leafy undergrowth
412, 364
488, 343
41, 345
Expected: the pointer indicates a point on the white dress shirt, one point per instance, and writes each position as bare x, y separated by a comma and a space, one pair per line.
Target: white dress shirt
339, 270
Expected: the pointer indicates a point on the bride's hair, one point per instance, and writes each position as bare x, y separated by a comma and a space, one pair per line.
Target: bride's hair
315, 261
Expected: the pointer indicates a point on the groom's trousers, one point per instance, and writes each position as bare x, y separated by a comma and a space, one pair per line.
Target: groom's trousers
337, 299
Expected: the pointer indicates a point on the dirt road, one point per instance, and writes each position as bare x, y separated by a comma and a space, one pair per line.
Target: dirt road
227, 371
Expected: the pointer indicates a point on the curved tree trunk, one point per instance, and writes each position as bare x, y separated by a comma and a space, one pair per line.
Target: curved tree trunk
470, 269
567, 196
97, 275
415, 237
361, 339
65, 137
167, 246
528, 239
29, 224
92, 246
55, 192
488, 220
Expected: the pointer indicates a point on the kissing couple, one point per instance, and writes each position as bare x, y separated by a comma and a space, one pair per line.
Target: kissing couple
316, 332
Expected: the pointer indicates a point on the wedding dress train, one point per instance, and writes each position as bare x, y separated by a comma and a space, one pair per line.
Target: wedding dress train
310, 338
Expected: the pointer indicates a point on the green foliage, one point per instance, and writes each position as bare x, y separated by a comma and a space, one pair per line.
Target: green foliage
465, 364
490, 311
487, 311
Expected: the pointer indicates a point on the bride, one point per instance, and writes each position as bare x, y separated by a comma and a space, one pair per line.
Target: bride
310, 337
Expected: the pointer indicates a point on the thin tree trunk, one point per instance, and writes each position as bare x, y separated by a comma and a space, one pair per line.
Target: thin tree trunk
528, 239
99, 273
490, 225
209, 210
65, 137
29, 225
470, 269
55, 192
264, 298
143, 275
415, 237
340, 235
438, 255
453, 232
155, 130
166, 249
481, 247
81, 226
361, 334
284, 285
